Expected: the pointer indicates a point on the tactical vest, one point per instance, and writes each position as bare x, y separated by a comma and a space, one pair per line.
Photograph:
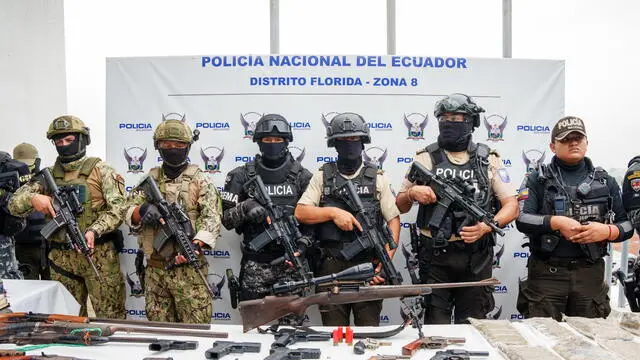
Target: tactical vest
284, 189
332, 238
474, 170
595, 206
187, 198
78, 179
31, 236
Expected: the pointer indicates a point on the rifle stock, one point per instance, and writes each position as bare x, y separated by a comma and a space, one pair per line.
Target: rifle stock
261, 311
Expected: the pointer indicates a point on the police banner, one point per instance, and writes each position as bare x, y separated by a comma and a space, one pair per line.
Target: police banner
223, 97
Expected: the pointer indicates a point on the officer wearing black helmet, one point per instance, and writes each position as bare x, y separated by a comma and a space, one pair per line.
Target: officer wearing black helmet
347, 132
571, 211
466, 252
285, 180
631, 191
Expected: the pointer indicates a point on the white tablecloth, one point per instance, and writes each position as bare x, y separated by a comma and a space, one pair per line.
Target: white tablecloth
41, 296
474, 342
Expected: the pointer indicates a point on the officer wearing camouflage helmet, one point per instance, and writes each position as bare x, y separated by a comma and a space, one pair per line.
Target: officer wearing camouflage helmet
101, 193
454, 252
31, 246
177, 294
348, 132
285, 180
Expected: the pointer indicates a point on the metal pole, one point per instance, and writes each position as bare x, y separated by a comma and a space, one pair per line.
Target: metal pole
274, 27
391, 27
624, 260
507, 30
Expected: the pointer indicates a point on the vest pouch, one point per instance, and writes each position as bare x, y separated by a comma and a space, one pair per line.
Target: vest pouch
549, 242
115, 237
594, 251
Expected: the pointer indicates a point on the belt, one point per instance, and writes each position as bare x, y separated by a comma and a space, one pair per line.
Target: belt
427, 233
570, 263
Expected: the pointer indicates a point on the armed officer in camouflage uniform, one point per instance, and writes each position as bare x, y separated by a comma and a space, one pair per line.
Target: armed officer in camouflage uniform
285, 180
10, 225
178, 294
571, 211
31, 246
348, 132
101, 193
458, 253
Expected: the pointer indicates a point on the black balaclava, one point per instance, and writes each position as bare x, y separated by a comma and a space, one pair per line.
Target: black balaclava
349, 155
174, 161
455, 136
273, 154
74, 151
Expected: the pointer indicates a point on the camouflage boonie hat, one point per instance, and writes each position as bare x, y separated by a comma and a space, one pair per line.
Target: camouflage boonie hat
25, 153
176, 130
67, 124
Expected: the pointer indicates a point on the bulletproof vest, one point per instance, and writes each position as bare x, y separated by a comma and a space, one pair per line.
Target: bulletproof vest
474, 170
328, 233
182, 192
284, 189
563, 200
31, 234
78, 179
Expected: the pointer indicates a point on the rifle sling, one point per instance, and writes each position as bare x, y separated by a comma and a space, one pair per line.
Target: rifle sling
65, 273
356, 335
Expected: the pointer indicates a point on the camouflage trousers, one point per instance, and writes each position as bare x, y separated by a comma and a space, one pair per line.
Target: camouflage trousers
257, 278
30, 262
177, 295
8, 262
74, 272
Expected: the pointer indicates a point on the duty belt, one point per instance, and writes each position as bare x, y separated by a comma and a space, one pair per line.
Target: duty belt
569, 263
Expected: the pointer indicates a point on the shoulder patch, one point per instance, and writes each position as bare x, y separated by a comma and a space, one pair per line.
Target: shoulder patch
504, 175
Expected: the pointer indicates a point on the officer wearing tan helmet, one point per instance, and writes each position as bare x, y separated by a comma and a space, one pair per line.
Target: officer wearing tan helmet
31, 247
177, 294
101, 194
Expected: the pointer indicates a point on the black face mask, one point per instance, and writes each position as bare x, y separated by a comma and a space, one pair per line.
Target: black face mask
454, 136
273, 151
349, 156
73, 151
174, 157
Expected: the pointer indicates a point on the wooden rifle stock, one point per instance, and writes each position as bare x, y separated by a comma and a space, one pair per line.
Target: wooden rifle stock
261, 311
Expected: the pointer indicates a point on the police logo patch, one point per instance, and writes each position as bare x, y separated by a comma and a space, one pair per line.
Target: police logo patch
504, 175
635, 185
227, 179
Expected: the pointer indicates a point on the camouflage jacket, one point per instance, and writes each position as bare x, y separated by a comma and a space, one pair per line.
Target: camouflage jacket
106, 191
195, 193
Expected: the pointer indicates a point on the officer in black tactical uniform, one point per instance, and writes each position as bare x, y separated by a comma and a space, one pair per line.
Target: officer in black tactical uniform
31, 246
285, 180
348, 132
455, 252
571, 210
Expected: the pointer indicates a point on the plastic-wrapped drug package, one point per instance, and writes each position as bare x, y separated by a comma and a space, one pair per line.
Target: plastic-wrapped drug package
499, 332
578, 349
525, 352
549, 328
598, 329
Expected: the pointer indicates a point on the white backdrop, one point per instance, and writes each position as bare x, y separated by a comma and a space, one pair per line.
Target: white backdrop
222, 96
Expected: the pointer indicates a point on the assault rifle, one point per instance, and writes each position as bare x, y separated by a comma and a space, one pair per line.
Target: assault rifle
449, 192
283, 228
174, 226
66, 206
261, 311
370, 236
18, 317
410, 255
